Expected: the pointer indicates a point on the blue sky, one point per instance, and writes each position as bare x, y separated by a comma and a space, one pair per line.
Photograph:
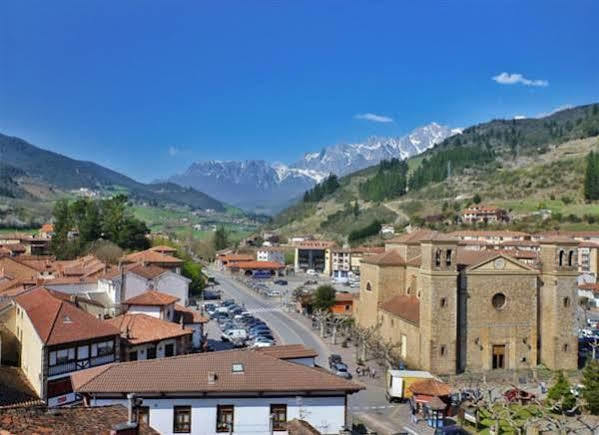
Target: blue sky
147, 87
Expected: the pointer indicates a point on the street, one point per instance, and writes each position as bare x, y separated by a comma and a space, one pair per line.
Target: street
370, 405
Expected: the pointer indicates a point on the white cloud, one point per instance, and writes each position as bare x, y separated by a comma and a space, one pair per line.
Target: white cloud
514, 79
173, 151
557, 109
373, 117
520, 117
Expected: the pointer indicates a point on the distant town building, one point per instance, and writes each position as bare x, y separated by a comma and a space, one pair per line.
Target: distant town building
274, 254
484, 214
314, 255
387, 230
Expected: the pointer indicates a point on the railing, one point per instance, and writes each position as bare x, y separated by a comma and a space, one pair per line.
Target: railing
73, 366
102, 359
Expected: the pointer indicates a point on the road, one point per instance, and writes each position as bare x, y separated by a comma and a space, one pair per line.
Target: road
292, 332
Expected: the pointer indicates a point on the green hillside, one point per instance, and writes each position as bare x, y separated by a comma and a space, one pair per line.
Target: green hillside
532, 167
23, 163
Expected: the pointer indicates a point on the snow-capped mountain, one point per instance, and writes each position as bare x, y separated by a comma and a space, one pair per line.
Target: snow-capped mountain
268, 187
345, 158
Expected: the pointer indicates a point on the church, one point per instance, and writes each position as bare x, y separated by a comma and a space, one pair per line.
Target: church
451, 309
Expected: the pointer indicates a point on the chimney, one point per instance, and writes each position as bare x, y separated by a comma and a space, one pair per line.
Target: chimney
212, 378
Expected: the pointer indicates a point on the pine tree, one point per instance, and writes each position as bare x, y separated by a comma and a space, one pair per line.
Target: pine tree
560, 393
590, 380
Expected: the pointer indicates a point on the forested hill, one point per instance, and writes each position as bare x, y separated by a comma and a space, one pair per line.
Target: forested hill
21, 159
482, 155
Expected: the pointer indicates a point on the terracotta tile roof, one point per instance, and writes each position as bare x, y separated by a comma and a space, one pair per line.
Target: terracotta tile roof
368, 250
17, 269
388, 258
525, 243
430, 387
47, 228
257, 265
148, 272
588, 245
189, 315
468, 257
141, 328
589, 286
57, 321
518, 253
190, 374
344, 297
288, 351
415, 237
485, 233
75, 420
150, 256
404, 306
164, 249
561, 239
237, 257
152, 298
580, 234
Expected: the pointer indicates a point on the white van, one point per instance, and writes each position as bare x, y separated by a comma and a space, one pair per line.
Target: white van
235, 334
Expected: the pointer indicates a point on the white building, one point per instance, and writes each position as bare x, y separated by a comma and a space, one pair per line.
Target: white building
239, 391
135, 280
271, 254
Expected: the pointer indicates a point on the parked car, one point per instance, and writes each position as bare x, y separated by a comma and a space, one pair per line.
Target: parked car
209, 308
311, 272
311, 282
281, 282
274, 293
234, 334
334, 359
342, 372
340, 367
261, 344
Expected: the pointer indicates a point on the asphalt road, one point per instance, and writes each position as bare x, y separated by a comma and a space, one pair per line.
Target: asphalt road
290, 331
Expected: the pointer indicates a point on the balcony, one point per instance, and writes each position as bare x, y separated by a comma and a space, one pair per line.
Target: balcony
72, 366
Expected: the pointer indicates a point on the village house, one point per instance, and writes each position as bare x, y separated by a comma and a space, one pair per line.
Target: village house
343, 304
233, 391
478, 214
147, 337
272, 254
452, 309
261, 269
193, 320
46, 231
153, 303
151, 257
53, 339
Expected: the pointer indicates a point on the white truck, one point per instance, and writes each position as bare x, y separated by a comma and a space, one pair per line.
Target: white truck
398, 382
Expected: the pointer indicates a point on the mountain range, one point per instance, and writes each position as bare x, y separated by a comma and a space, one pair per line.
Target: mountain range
268, 187
30, 172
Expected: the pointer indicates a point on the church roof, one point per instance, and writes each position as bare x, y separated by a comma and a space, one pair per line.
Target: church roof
404, 306
388, 258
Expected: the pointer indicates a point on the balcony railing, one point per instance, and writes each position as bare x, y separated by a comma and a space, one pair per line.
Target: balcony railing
72, 366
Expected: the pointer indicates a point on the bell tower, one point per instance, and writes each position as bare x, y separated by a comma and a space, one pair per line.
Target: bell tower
558, 335
438, 304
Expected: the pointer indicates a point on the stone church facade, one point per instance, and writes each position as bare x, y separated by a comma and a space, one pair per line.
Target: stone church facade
451, 309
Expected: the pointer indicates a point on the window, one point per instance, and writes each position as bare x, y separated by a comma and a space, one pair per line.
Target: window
561, 258
566, 302
83, 352
443, 302
224, 418
151, 353
182, 419
59, 387
498, 300
103, 348
169, 350
143, 414
62, 356
278, 413
571, 258
448, 257
565, 348
133, 356
368, 286
442, 350
437, 258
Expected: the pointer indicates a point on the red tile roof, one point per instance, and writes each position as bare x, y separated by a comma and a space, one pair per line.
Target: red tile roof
316, 244
152, 298
148, 272
404, 306
189, 315
163, 249
388, 258
263, 265
150, 257
430, 387
344, 297
57, 321
288, 351
99, 420
191, 374
141, 328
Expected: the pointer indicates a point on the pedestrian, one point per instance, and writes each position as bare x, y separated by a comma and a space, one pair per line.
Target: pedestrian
373, 373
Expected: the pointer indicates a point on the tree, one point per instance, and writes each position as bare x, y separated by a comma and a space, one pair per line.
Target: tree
590, 380
324, 297
221, 238
106, 251
591, 177
193, 271
476, 199
560, 396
